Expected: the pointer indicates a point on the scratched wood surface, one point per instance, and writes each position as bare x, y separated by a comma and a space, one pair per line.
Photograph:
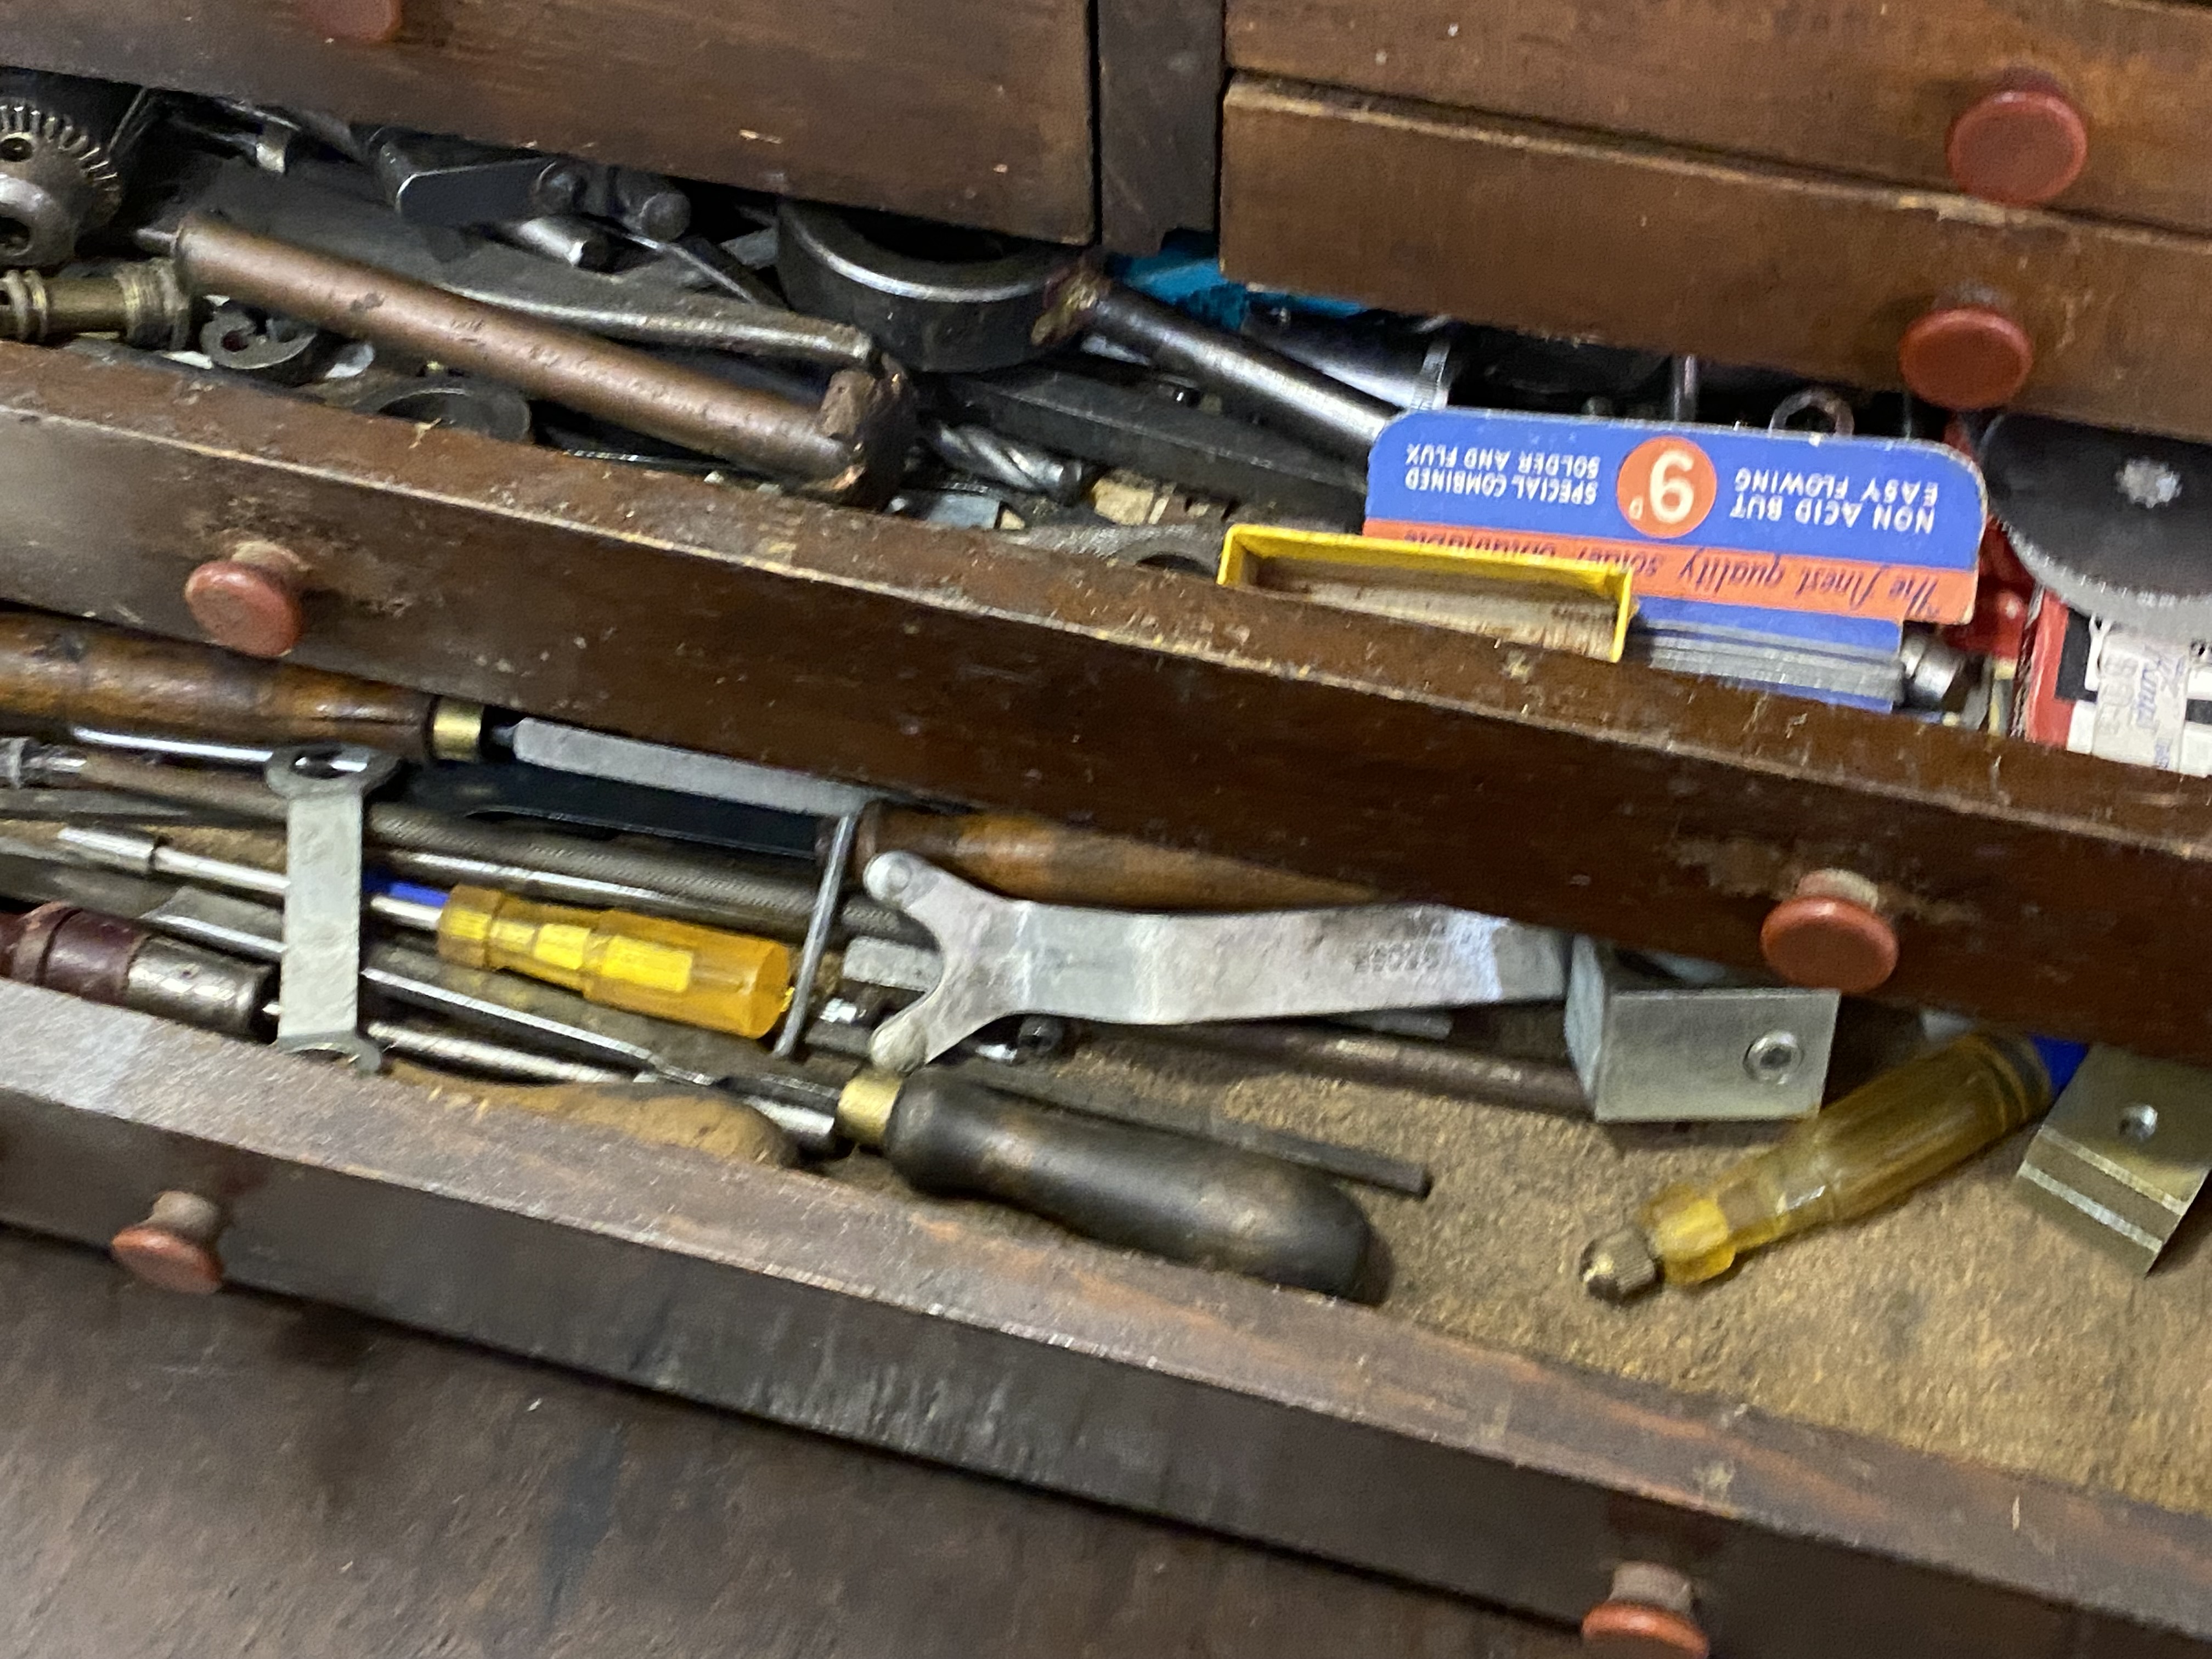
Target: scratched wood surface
1867, 87
245, 1475
977, 111
1559, 232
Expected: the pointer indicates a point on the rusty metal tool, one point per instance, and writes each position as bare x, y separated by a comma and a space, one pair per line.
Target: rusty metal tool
57, 673
1395, 1062
1285, 394
142, 305
324, 788
65, 142
103, 959
849, 447
999, 957
302, 211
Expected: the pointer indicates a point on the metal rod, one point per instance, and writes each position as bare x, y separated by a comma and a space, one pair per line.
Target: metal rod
643, 393
818, 926
536, 864
1394, 1062
1302, 401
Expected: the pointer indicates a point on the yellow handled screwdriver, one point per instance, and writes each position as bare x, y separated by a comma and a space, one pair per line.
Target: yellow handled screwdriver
646, 964
1876, 1144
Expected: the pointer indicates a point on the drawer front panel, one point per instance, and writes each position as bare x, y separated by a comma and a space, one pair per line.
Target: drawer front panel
1504, 222
965, 110
1664, 811
1865, 87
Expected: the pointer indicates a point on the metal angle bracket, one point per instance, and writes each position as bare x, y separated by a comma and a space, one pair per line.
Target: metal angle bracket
1651, 1047
1003, 957
2123, 1153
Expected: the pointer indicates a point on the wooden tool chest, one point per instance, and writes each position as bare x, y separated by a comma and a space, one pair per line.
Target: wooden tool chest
1945, 1433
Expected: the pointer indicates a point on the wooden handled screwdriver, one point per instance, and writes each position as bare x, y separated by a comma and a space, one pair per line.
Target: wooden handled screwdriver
55, 673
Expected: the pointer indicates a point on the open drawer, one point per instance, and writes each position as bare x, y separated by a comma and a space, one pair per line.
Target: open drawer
1948, 1431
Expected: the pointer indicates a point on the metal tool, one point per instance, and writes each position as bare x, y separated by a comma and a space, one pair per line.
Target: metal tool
1137, 1188
524, 1010
468, 1053
324, 787
142, 305
1651, 1047
999, 459
1874, 1144
103, 958
572, 748
2124, 1154
1408, 367
1084, 416
431, 179
1005, 957
301, 209
672, 969
278, 350
1431, 1067
848, 447
626, 760
644, 204
939, 299
2116, 524
516, 793
1263, 383
459, 401
561, 237
63, 143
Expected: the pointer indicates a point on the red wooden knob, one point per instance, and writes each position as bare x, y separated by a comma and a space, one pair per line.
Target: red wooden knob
173, 1247
1966, 356
1629, 1630
362, 22
249, 608
2019, 145
1829, 942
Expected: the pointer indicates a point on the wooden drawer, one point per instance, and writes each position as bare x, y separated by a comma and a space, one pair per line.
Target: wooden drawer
1867, 1444
1865, 87
976, 110
1422, 209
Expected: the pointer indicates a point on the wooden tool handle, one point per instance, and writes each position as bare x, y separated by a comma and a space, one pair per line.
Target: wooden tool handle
1033, 858
60, 673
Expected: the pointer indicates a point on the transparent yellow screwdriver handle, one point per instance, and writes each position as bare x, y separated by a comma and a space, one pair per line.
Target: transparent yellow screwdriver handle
648, 965
1875, 1144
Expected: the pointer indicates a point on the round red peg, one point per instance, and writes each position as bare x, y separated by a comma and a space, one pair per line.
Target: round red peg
1830, 936
1966, 356
252, 608
1628, 1630
1648, 1614
173, 1247
2020, 145
359, 22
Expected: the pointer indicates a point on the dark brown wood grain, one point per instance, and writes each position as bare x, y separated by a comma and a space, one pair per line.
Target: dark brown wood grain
2070, 894
1308, 1424
1868, 86
387, 1493
977, 110
1160, 118
1537, 228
